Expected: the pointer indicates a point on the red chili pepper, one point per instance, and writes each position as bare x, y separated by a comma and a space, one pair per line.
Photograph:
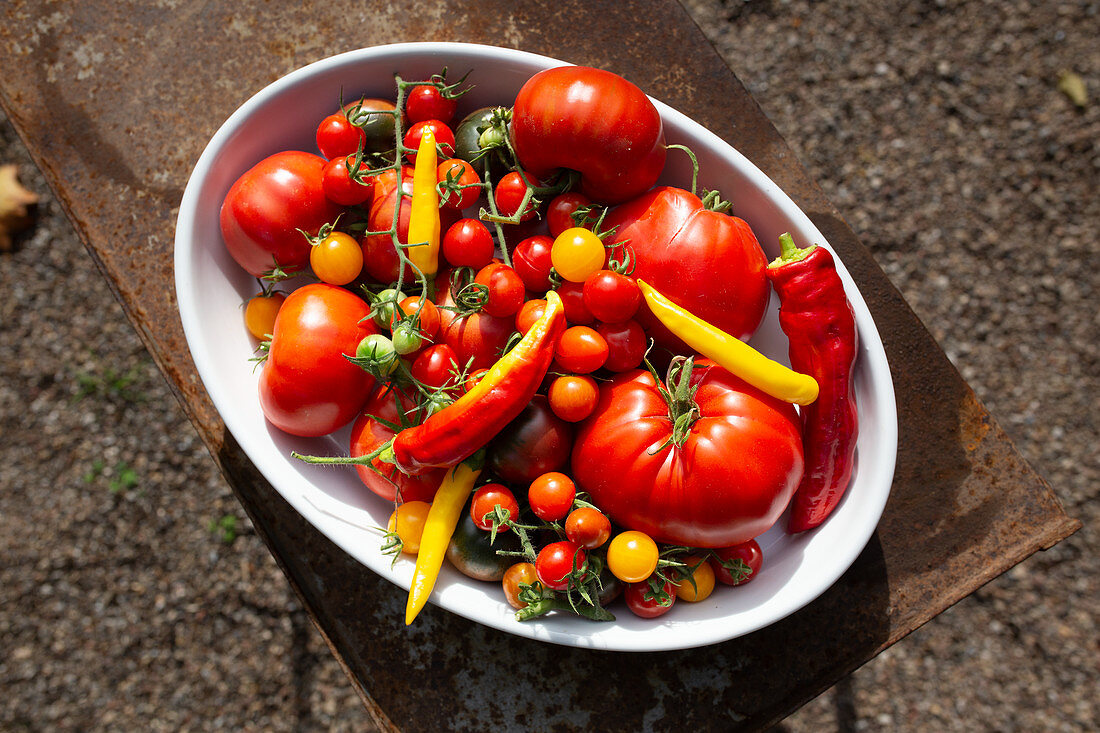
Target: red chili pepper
456, 432
815, 314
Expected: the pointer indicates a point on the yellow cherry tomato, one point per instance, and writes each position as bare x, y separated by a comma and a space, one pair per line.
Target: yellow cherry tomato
408, 521
260, 312
337, 259
632, 556
577, 254
703, 575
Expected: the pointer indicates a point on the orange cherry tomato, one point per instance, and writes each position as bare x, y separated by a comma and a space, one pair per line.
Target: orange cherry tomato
703, 575
408, 521
260, 312
573, 397
337, 259
577, 254
580, 350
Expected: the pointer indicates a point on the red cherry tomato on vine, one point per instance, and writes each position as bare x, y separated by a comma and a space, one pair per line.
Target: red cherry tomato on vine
551, 496
509, 194
626, 345
426, 102
556, 562
531, 260
506, 292
612, 297
463, 178
644, 602
486, 499
468, 243
421, 311
587, 527
337, 136
521, 572
444, 138
559, 212
337, 259
580, 350
738, 564
573, 397
340, 187
436, 367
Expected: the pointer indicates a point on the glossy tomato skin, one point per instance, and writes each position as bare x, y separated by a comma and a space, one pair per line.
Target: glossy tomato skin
536, 442
265, 208
477, 339
591, 121
307, 387
380, 260
367, 434
730, 480
707, 262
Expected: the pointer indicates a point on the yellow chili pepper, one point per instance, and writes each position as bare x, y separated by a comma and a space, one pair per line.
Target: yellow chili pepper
424, 215
442, 519
730, 353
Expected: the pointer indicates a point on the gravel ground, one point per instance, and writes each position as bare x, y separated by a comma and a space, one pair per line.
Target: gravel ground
135, 596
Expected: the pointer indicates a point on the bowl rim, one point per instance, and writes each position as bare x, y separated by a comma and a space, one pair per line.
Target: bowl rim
872, 354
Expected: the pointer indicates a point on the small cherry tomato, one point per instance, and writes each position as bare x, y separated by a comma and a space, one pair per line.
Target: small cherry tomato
702, 573
468, 243
580, 350
506, 292
645, 602
551, 496
572, 301
531, 260
529, 313
406, 339
460, 184
421, 312
559, 212
573, 397
260, 312
444, 139
556, 562
379, 351
626, 345
340, 187
577, 254
521, 572
427, 102
337, 136
436, 367
509, 194
408, 522
377, 119
738, 564
632, 556
587, 527
612, 297
486, 499
337, 259
473, 378
386, 305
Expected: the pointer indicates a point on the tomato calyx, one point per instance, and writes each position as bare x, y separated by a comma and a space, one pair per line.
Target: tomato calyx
679, 394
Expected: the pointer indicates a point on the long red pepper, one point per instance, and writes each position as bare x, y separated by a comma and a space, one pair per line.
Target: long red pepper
456, 432
815, 314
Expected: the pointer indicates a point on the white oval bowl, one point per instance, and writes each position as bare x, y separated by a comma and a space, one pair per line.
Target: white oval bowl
210, 288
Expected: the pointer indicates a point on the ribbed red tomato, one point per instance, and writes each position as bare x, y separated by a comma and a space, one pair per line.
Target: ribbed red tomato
367, 434
307, 387
708, 262
591, 121
727, 482
265, 208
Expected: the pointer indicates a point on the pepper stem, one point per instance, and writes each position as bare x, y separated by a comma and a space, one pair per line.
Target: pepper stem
789, 252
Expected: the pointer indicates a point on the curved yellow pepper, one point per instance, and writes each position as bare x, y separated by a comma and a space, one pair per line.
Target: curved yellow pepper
442, 519
731, 353
424, 215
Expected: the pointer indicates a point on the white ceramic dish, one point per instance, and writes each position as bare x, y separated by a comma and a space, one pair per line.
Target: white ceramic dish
211, 288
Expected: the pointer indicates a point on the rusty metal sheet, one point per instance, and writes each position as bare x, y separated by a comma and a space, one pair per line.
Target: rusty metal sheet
117, 100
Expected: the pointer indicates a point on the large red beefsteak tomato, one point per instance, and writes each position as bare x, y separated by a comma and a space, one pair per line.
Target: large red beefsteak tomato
723, 478
265, 208
705, 261
307, 387
591, 121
